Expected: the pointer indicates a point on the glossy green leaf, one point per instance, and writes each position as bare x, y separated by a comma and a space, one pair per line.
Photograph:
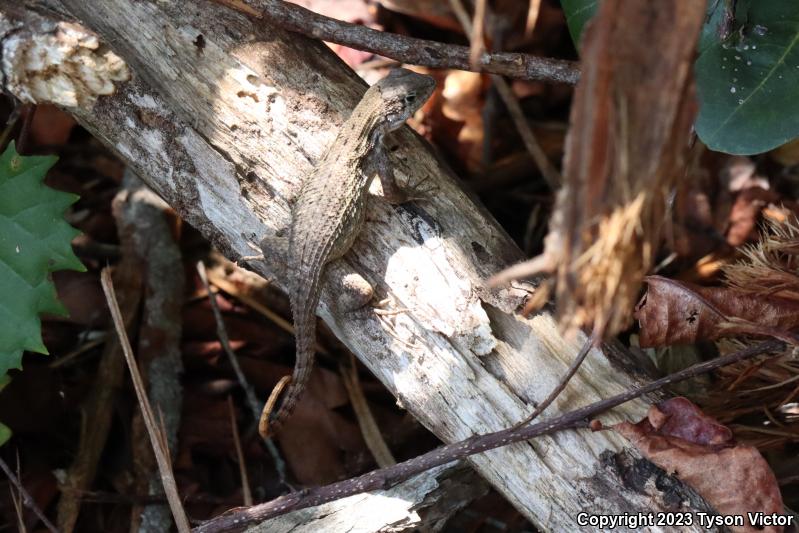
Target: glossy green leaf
748, 84
578, 12
34, 241
747, 73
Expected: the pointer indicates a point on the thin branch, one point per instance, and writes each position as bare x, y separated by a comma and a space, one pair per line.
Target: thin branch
245, 479
387, 477
532, 17
252, 400
564, 380
157, 438
27, 499
404, 49
476, 34
366, 420
548, 171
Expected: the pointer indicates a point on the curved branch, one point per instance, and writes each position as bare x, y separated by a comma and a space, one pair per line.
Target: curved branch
422, 52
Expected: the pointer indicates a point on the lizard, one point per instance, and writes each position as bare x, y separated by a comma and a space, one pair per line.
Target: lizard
329, 212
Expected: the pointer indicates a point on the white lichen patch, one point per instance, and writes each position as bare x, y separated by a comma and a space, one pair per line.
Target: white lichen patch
442, 300
146, 101
66, 67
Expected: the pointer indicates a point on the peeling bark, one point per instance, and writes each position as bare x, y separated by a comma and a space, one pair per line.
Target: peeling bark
423, 502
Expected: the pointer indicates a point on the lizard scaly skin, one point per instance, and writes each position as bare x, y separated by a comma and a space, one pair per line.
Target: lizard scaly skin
329, 212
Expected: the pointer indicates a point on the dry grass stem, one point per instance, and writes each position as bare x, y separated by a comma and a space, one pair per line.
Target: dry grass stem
245, 479
477, 34
532, 17
26, 498
157, 438
366, 420
252, 400
548, 171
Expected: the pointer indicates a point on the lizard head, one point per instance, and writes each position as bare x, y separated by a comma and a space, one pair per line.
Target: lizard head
402, 93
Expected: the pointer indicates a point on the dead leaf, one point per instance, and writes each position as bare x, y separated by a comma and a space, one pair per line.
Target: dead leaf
460, 129
51, 126
679, 438
81, 294
674, 312
787, 155
745, 214
435, 12
680, 418
316, 440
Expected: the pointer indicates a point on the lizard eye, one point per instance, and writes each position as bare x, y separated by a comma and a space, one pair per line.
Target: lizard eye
410, 98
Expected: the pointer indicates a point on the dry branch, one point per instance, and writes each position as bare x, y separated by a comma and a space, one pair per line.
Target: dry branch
408, 49
388, 477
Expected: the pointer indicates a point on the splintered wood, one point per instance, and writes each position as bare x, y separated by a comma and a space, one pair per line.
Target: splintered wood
630, 129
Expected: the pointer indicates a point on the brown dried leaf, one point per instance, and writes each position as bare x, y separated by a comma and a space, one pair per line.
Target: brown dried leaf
745, 214
435, 12
680, 418
51, 126
317, 441
682, 440
460, 129
674, 312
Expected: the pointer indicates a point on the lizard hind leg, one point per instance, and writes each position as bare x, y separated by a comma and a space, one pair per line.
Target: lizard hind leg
350, 290
275, 246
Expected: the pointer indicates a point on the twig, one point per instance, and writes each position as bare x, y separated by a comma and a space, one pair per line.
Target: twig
249, 393
27, 499
476, 36
23, 139
221, 332
366, 420
387, 477
548, 171
564, 380
11, 123
245, 480
230, 288
157, 439
532, 17
404, 49
15, 500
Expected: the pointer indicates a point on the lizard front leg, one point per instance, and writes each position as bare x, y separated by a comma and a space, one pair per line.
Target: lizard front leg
392, 192
382, 167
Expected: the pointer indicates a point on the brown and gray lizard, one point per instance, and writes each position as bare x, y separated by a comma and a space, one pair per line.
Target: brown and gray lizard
329, 212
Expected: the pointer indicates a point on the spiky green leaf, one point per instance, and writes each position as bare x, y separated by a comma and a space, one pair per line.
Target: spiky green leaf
34, 242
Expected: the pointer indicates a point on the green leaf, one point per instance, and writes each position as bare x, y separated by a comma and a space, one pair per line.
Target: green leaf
578, 12
34, 241
748, 84
747, 74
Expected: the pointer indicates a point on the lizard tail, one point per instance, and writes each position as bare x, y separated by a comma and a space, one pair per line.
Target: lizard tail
305, 335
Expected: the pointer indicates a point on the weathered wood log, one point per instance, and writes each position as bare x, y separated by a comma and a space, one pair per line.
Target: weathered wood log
423, 502
223, 117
